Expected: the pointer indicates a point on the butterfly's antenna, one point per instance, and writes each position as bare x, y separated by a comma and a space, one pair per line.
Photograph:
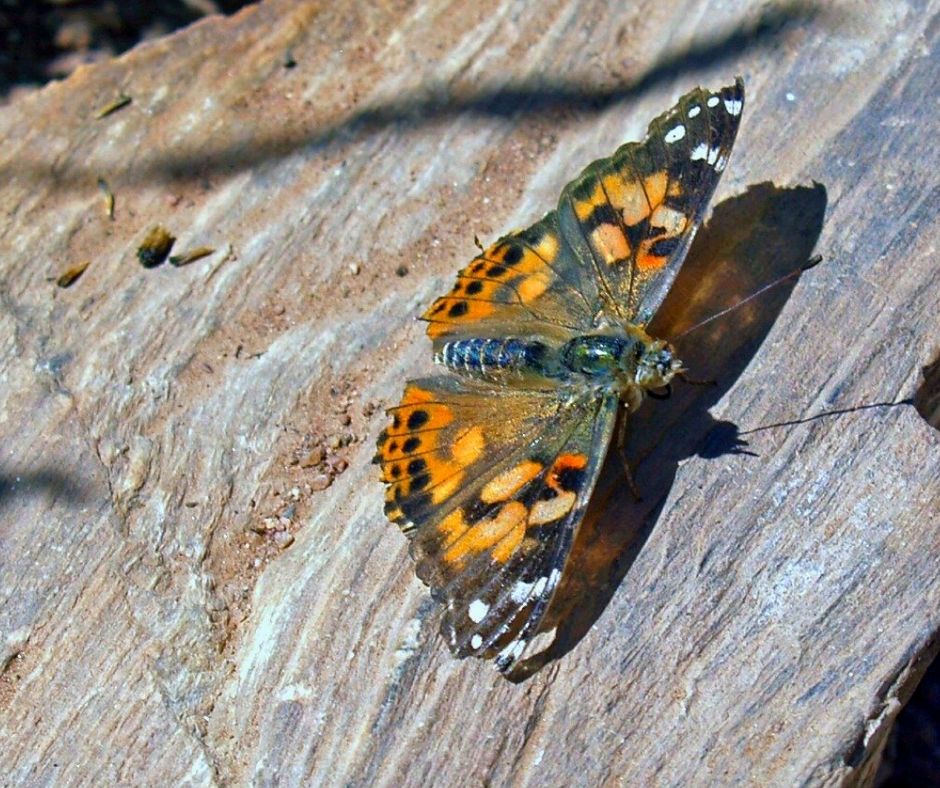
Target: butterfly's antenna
813, 261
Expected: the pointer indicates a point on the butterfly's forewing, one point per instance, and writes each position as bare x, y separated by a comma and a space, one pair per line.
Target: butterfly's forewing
634, 214
490, 485
528, 283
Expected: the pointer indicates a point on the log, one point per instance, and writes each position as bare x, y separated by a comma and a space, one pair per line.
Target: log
197, 581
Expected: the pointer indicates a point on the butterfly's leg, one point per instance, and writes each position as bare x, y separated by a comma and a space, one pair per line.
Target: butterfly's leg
621, 450
693, 382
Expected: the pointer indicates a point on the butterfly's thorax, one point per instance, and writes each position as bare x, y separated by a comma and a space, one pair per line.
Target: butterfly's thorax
624, 361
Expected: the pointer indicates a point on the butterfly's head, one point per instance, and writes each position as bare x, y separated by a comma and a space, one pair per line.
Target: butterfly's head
656, 364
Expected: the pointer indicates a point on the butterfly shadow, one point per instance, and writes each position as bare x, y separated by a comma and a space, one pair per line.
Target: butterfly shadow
927, 399
751, 241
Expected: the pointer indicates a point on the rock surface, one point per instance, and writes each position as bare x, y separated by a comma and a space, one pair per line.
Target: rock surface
196, 580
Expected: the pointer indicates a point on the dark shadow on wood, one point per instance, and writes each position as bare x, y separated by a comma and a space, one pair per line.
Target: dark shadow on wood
927, 398
45, 482
557, 100
912, 754
36, 37
750, 241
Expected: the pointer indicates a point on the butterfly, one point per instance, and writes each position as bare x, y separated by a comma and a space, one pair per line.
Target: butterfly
489, 468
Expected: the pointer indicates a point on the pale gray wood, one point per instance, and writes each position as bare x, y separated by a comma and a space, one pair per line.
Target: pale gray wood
767, 626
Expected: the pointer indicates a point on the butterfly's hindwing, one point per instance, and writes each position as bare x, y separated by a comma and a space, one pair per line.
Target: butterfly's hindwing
526, 282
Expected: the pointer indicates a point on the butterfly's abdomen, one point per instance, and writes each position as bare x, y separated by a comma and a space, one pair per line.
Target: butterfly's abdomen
493, 358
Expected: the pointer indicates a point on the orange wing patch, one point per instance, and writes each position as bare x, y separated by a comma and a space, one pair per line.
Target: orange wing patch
615, 206
413, 462
503, 533
610, 243
560, 480
508, 483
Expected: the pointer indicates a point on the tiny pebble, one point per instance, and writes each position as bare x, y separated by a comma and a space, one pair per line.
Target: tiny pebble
267, 524
402, 270
312, 458
320, 482
283, 539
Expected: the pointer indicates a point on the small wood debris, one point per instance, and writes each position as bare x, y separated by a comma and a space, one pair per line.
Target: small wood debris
320, 482
108, 198
311, 458
155, 247
71, 275
191, 256
283, 539
337, 464
121, 101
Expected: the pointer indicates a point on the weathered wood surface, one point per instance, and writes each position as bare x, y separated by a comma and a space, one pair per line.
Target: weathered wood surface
759, 618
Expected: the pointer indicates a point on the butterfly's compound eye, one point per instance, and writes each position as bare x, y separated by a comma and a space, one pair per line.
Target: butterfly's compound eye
657, 366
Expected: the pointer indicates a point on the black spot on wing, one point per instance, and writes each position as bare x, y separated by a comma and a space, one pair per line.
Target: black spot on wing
570, 479
665, 246
602, 214
513, 255
417, 419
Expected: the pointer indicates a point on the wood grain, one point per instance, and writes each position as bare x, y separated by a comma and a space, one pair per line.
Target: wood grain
196, 581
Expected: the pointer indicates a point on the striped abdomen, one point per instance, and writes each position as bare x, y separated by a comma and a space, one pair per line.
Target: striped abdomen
493, 358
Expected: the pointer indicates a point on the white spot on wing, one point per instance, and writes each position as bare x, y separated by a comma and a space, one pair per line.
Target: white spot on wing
713, 101
476, 641
520, 591
693, 111
477, 610
676, 134
700, 151
512, 652
713, 155
733, 106
720, 164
